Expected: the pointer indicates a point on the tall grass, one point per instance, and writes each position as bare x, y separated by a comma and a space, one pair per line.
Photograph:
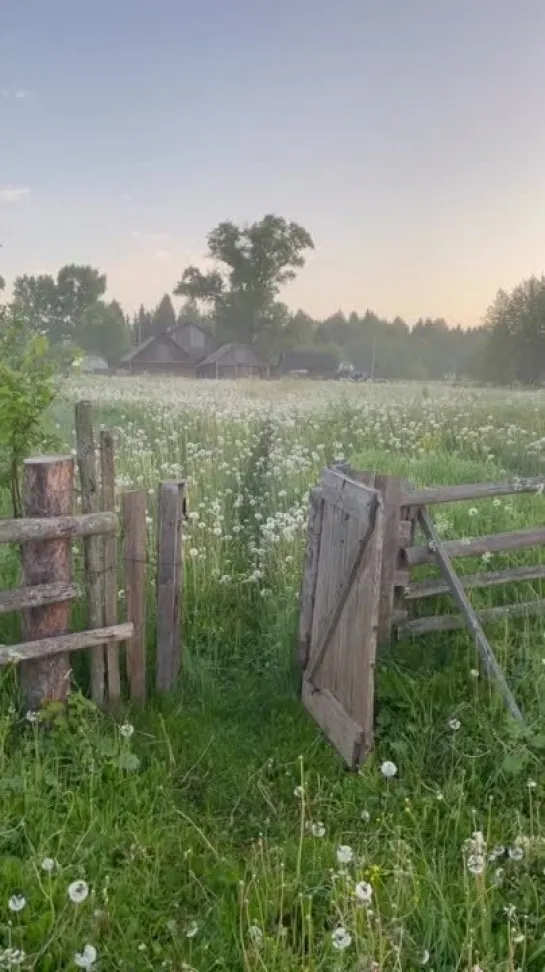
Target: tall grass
217, 828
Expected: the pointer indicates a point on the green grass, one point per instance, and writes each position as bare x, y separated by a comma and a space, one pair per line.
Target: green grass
209, 838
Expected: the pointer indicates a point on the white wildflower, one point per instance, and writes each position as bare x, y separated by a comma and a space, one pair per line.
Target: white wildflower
341, 938
318, 829
516, 853
365, 816
48, 865
476, 864
78, 891
345, 854
454, 724
126, 730
256, 936
299, 792
474, 673
363, 892
192, 930
17, 902
388, 769
87, 958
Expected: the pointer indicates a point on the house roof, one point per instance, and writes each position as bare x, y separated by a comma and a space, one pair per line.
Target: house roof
242, 354
310, 360
181, 353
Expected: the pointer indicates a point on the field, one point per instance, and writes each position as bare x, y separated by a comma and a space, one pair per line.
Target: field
216, 829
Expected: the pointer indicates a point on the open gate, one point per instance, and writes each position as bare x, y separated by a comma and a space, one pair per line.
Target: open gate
340, 611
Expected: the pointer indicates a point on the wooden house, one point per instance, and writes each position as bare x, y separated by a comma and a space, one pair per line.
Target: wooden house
160, 354
197, 340
308, 364
233, 361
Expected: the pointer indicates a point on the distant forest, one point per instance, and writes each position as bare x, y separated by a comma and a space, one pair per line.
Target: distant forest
238, 301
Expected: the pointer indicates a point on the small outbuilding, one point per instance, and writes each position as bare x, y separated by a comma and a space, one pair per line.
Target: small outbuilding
160, 354
233, 361
309, 364
93, 364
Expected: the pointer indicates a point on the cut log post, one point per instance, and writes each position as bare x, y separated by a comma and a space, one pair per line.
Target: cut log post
484, 648
47, 491
169, 583
91, 545
134, 506
107, 485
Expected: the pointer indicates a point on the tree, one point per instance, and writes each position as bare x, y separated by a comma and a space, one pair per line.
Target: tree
58, 306
104, 330
516, 328
252, 263
27, 388
164, 317
141, 326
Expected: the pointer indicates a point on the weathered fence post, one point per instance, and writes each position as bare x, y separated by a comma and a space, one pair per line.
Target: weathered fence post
134, 505
91, 545
107, 482
169, 583
47, 491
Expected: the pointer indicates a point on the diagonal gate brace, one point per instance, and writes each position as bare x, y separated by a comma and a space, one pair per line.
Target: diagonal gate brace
490, 662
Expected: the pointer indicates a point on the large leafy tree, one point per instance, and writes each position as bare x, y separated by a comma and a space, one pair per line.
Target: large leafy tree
104, 328
516, 325
251, 265
59, 306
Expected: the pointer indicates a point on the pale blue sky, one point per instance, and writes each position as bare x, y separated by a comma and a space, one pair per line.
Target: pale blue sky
408, 136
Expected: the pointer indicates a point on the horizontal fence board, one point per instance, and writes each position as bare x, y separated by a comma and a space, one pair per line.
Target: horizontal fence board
470, 491
46, 647
476, 546
32, 597
57, 527
451, 622
432, 587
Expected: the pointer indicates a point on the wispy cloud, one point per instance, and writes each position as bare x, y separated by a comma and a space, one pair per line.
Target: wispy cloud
15, 94
12, 195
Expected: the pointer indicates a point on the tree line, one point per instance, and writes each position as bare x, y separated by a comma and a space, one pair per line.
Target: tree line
238, 300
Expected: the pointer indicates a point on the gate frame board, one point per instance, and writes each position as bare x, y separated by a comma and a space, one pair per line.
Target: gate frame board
340, 603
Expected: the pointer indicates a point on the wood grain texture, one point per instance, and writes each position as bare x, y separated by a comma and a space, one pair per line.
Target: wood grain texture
38, 596
109, 553
47, 491
48, 650
471, 491
341, 730
310, 575
169, 584
134, 507
434, 586
476, 546
86, 455
57, 528
390, 489
452, 622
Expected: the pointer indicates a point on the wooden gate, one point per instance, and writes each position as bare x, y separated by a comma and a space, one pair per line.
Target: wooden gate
339, 611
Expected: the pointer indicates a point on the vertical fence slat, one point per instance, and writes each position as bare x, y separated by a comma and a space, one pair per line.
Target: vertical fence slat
134, 505
169, 582
107, 484
91, 545
390, 487
47, 491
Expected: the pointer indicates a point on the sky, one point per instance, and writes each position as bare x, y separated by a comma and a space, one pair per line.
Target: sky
407, 136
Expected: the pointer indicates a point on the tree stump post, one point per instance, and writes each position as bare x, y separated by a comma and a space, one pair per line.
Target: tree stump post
47, 491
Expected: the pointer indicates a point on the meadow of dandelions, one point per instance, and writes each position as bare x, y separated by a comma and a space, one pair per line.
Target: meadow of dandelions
220, 832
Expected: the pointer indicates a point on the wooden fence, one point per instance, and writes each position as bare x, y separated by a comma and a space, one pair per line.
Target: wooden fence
46, 534
403, 510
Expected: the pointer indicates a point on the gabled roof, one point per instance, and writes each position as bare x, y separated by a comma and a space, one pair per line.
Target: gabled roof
242, 354
180, 325
181, 353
